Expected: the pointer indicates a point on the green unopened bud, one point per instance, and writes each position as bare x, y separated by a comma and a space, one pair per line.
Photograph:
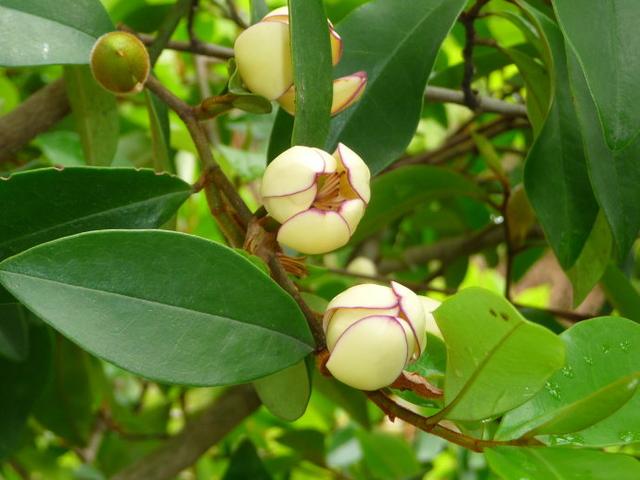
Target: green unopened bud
120, 62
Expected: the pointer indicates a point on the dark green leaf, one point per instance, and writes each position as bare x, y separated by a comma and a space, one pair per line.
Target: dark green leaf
593, 260
513, 463
14, 338
280, 138
286, 393
400, 191
601, 375
96, 115
160, 133
222, 320
605, 38
67, 404
51, 203
621, 293
395, 42
311, 55
614, 174
555, 177
41, 32
245, 464
496, 360
21, 383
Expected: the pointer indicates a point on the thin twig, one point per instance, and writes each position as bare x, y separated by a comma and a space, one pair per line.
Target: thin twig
468, 19
483, 104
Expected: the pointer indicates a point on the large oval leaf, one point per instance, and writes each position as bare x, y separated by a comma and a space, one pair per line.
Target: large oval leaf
395, 42
286, 393
601, 375
496, 360
606, 38
47, 204
399, 191
42, 32
556, 177
168, 306
513, 463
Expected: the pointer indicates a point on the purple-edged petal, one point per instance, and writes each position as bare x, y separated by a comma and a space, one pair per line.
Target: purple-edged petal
347, 91
314, 231
411, 307
285, 207
366, 295
430, 305
370, 354
352, 212
358, 173
293, 171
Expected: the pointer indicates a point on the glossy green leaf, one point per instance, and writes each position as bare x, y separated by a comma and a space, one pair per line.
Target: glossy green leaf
593, 260
311, 55
614, 174
51, 203
67, 403
621, 292
516, 463
222, 321
42, 32
601, 375
496, 360
388, 456
605, 38
96, 114
395, 42
286, 393
556, 177
14, 337
280, 138
160, 132
245, 463
399, 191
21, 383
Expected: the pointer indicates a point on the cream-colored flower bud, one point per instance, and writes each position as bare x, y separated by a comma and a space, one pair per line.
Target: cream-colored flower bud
346, 91
318, 198
263, 57
373, 332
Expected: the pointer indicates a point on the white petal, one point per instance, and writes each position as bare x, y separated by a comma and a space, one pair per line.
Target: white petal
288, 100
314, 231
357, 171
411, 307
362, 266
370, 354
283, 208
430, 306
347, 91
293, 171
366, 295
278, 13
263, 56
352, 212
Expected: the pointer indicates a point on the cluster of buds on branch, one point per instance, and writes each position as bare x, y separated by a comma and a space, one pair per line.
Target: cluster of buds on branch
263, 57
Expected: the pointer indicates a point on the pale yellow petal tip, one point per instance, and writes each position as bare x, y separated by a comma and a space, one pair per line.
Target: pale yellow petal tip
347, 91
362, 266
336, 45
314, 232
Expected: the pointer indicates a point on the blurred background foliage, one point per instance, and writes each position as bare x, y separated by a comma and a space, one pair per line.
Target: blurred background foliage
92, 419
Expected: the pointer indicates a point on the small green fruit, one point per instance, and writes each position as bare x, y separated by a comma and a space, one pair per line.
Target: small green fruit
120, 62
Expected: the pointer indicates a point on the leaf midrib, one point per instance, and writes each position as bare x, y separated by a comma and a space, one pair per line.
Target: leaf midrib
93, 215
152, 302
479, 369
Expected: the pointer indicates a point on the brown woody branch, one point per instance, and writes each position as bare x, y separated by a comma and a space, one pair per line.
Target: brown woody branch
184, 449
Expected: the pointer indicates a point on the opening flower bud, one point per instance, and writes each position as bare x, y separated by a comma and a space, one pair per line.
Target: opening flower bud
120, 62
263, 58
346, 91
373, 332
318, 198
